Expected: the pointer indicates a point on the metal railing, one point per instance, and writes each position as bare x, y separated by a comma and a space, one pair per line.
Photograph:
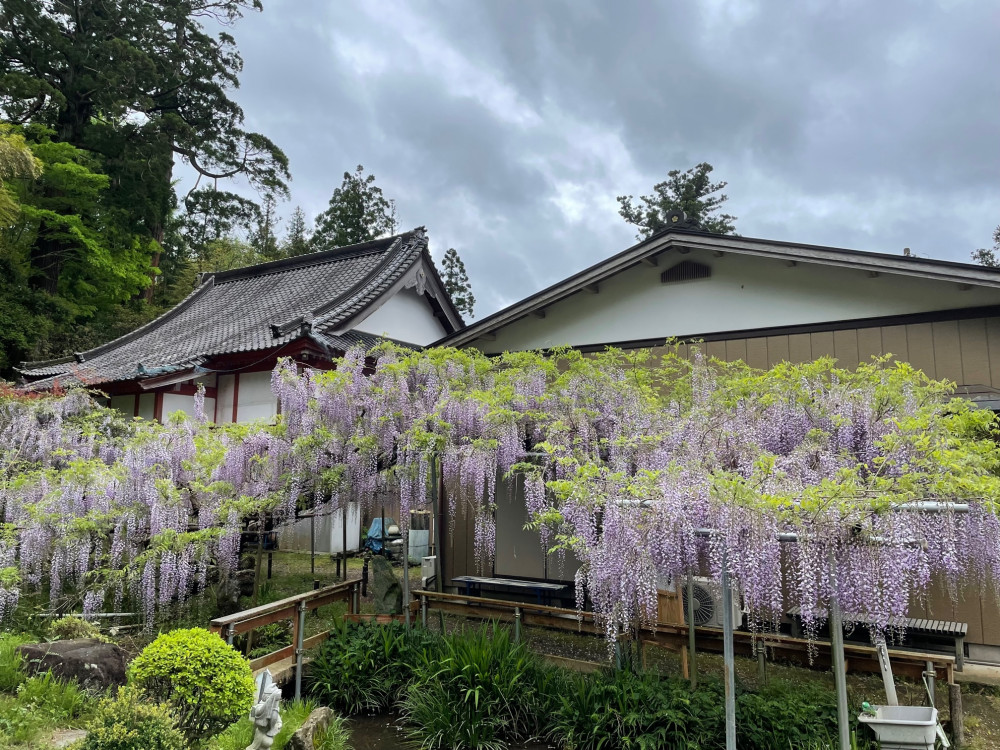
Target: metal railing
293, 608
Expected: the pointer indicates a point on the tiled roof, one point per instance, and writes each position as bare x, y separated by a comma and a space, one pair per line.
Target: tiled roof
250, 309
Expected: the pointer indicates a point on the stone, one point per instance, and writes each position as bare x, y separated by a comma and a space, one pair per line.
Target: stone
305, 737
92, 663
66, 737
266, 712
386, 589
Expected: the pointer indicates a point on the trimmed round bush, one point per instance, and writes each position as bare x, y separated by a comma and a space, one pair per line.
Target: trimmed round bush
207, 684
70, 628
130, 723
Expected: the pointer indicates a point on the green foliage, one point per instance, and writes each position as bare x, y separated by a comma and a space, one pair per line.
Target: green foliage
691, 192
207, 684
989, 256
482, 690
297, 240
70, 627
41, 703
129, 722
623, 710
12, 672
293, 715
364, 667
784, 715
456, 283
358, 212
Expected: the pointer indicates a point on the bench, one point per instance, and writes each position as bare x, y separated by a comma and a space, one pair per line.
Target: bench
929, 632
474, 585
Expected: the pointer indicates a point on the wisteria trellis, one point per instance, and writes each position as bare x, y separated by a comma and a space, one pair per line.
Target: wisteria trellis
624, 457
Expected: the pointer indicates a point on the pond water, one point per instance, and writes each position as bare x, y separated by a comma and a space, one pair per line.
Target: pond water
382, 732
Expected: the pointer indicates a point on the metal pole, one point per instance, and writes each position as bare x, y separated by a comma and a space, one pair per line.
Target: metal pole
343, 538
886, 668
406, 577
299, 639
929, 675
727, 652
517, 624
692, 667
423, 611
312, 544
435, 510
839, 668
230, 634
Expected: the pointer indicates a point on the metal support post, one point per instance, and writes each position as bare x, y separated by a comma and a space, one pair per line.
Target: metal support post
230, 634
312, 545
761, 665
343, 537
692, 666
929, 676
882, 651
727, 652
517, 624
423, 611
299, 640
406, 578
839, 667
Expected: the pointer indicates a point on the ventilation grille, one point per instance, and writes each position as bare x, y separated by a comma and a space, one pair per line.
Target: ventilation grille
686, 270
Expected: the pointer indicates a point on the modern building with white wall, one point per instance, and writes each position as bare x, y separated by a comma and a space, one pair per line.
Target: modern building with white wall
762, 302
228, 334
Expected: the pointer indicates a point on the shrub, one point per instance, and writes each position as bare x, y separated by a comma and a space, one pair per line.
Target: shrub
482, 690
208, 685
240, 735
366, 667
624, 710
12, 672
70, 627
130, 723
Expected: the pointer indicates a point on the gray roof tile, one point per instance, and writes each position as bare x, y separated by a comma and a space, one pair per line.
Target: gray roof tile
250, 309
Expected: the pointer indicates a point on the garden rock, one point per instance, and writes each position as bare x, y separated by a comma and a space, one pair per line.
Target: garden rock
386, 590
92, 663
305, 737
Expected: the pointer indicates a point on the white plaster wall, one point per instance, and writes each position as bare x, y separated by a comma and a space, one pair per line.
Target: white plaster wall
407, 317
147, 405
227, 387
744, 292
124, 404
179, 402
255, 398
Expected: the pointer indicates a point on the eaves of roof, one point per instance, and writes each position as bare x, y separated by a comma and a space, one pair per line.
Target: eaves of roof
687, 239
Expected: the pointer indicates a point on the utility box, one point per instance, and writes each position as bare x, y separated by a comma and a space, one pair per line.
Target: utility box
427, 572
903, 727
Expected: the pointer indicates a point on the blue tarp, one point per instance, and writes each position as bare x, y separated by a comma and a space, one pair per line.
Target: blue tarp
374, 540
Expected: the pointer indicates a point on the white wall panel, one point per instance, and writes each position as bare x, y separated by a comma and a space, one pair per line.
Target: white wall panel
227, 388
744, 292
255, 398
147, 405
406, 316
124, 404
178, 402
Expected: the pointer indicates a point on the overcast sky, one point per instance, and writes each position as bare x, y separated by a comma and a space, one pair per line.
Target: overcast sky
508, 128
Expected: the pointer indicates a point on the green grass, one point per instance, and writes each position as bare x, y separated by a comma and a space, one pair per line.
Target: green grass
240, 734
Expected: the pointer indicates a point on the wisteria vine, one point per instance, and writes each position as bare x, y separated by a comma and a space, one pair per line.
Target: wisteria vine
642, 468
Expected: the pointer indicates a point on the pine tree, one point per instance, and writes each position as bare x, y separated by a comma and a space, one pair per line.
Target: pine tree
456, 283
358, 212
690, 192
297, 237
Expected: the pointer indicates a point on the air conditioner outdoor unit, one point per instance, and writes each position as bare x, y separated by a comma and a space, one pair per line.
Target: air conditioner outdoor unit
708, 603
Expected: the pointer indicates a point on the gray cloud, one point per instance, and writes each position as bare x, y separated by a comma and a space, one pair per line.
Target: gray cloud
508, 128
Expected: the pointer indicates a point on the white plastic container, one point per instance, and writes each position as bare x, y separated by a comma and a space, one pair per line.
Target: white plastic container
903, 727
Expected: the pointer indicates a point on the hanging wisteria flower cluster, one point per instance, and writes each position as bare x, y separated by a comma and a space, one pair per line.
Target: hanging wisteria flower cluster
636, 468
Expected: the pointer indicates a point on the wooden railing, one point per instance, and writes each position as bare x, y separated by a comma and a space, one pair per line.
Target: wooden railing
293, 608
675, 636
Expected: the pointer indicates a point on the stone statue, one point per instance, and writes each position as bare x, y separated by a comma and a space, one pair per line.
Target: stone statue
265, 714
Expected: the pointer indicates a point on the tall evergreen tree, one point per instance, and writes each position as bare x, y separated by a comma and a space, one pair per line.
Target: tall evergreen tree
139, 82
456, 283
691, 192
358, 212
297, 236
